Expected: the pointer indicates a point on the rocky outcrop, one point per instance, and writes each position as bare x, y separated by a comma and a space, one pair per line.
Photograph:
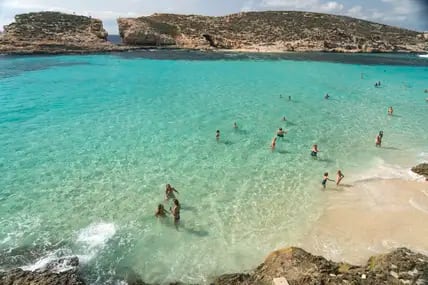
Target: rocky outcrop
270, 31
292, 266
53, 32
421, 169
59, 272
295, 266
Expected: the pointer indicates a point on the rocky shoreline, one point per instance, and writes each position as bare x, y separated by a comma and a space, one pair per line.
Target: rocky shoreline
292, 266
270, 32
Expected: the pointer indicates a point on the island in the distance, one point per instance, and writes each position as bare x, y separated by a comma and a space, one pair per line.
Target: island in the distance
271, 31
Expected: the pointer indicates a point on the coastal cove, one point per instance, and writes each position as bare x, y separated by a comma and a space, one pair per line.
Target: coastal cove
89, 142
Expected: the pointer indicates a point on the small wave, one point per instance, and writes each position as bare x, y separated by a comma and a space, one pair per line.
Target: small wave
423, 55
55, 261
93, 238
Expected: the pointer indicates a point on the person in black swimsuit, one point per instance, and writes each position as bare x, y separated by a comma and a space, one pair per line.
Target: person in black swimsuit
175, 211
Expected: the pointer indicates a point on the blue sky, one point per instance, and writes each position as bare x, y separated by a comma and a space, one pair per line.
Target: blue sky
403, 13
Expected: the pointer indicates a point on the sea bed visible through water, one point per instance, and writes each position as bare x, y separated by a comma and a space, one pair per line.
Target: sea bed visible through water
89, 142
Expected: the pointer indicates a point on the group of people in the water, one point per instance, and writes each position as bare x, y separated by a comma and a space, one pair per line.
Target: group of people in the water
161, 212
339, 178
377, 84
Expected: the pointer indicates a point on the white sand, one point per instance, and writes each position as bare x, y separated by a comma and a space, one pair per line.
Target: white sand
368, 218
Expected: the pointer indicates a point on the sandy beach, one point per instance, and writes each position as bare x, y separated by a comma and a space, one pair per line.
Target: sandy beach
367, 218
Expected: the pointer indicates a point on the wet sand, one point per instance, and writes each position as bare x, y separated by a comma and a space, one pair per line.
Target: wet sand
371, 217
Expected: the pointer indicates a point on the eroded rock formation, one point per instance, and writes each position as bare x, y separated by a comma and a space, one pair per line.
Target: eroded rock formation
299, 267
421, 169
54, 32
270, 31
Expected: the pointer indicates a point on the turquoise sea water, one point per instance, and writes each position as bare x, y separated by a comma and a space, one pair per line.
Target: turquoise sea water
87, 144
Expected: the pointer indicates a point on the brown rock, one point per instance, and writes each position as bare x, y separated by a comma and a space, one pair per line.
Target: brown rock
421, 169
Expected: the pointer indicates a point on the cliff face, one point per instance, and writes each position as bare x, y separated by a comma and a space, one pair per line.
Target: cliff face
53, 32
265, 31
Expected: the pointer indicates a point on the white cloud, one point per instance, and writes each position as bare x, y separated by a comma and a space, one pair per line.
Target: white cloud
307, 5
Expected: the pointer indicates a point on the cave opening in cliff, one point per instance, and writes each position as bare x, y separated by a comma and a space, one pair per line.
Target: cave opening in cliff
210, 39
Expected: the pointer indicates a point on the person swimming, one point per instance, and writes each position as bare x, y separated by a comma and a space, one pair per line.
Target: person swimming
160, 212
314, 151
324, 180
339, 177
273, 144
326, 96
175, 211
280, 133
390, 111
235, 126
217, 135
289, 98
169, 192
284, 119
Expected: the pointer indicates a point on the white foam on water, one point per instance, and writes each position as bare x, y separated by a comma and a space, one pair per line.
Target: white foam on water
93, 239
51, 260
423, 55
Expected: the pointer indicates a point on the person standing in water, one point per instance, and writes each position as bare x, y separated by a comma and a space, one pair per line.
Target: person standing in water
160, 212
169, 192
314, 151
175, 211
289, 98
273, 144
339, 177
280, 133
326, 96
217, 135
235, 126
284, 119
324, 180
390, 111
378, 140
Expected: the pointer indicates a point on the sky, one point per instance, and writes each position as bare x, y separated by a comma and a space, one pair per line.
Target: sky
412, 14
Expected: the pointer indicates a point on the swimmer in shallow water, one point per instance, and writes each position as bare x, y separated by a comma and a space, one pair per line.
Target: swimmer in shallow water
273, 144
324, 180
235, 126
390, 111
217, 135
378, 140
160, 212
175, 211
314, 151
284, 119
169, 192
326, 96
339, 177
280, 133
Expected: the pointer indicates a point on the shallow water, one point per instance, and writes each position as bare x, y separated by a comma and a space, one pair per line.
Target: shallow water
88, 143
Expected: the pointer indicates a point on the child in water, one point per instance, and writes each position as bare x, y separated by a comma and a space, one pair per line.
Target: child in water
378, 140
339, 177
175, 211
160, 212
324, 180
169, 192
217, 135
314, 151
273, 144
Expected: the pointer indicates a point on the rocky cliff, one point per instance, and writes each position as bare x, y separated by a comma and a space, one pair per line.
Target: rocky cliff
270, 31
53, 32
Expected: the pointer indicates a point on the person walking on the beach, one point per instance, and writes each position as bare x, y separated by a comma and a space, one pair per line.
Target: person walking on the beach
339, 177
169, 192
175, 211
314, 151
390, 111
160, 212
217, 135
378, 139
324, 180
273, 144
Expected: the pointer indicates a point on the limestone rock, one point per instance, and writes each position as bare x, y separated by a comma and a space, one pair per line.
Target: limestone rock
299, 267
54, 32
270, 31
421, 169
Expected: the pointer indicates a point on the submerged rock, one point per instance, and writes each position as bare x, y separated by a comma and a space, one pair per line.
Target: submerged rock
421, 169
